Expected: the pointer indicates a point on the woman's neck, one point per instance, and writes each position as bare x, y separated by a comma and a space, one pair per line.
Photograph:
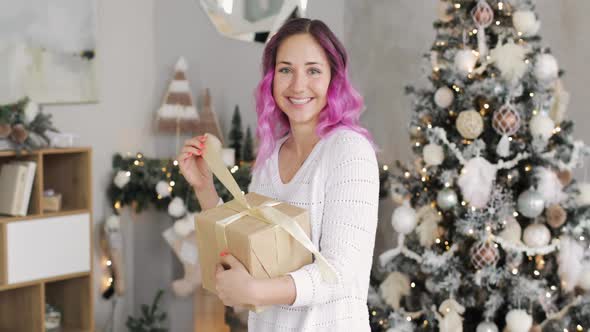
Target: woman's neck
302, 139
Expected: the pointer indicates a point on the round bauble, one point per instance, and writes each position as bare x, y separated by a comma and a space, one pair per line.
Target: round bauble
518, 321
526, 22
542, 126
404, 219
433, 154
176, 207
506, 121
555, 215
486, 327
482, 14
484, 254
536, 235
465, 61
163, 188
546, 68
121, 179
530, 203
469, 124
446, 199
444, 97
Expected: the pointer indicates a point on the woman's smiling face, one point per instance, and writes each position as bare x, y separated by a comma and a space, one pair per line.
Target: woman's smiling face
301, 79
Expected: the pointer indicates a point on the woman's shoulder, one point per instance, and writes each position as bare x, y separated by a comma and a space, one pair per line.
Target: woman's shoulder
346, 139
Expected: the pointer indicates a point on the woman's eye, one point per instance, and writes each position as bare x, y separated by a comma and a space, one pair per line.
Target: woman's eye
314, 71
284, 70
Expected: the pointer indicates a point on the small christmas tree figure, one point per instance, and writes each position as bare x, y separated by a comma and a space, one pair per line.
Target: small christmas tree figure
248, 154
236, 134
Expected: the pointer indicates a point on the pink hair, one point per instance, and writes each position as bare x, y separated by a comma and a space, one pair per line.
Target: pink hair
344, 103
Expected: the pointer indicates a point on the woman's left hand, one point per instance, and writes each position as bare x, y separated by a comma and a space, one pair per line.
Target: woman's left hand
235, 285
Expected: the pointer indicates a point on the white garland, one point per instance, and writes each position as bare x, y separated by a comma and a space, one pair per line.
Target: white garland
441, 134
579, 149
401, 248
507, 245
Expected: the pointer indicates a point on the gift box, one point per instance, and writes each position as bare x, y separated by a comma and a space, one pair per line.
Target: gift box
267, 250
269, 238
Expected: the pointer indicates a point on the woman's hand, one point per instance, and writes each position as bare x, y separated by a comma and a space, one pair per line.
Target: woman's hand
235, 286
193, 166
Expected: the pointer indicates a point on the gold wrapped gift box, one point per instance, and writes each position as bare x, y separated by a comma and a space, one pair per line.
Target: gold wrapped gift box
265, 249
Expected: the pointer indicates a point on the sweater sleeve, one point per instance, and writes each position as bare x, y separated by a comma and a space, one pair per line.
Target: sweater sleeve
348, 224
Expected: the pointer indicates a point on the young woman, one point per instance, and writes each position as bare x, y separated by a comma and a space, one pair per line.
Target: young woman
313, 154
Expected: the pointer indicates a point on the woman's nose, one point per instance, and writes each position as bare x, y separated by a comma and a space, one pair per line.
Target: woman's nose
298, 83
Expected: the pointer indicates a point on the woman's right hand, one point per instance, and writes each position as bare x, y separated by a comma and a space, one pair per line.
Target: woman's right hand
193, 166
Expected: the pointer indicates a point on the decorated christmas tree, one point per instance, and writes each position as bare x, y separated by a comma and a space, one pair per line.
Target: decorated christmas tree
493, 231
236, 134
248, 154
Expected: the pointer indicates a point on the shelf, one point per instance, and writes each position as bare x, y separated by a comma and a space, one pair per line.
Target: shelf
7, 219
21, 309
34, 282
11, 153
73, 297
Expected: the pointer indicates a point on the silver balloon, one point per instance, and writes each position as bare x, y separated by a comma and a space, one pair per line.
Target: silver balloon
486, 327
531, 203
446, 199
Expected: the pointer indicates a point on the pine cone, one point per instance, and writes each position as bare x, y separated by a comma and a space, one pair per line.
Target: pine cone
19, 133
5, 130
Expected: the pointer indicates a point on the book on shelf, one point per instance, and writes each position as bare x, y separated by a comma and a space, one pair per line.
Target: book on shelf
16, 184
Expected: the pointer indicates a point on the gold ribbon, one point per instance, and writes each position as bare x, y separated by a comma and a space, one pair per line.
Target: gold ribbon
265, 212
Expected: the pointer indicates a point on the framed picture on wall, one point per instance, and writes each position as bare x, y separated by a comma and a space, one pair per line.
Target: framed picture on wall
48, 51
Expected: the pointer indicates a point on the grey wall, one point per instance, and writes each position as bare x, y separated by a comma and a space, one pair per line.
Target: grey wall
386, 40
140, 40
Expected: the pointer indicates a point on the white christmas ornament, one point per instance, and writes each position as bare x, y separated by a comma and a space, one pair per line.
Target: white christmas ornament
509, 58
486, 327
394, 287
542, 126
524, 21
163, 188
512, 231
184, 226
518, 321
530, 203
549, 186
584, 281
546, 68
465, 61
433, 154
176, 207
403, 219
569, 259
451, 319
121, 179
427, 229
31, 111
476, 180
112, 224
583, 197
536, 235
444, 97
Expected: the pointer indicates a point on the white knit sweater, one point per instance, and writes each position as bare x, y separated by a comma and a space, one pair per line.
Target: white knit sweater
339, 185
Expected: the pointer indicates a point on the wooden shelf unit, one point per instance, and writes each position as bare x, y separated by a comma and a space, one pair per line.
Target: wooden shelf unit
46, 257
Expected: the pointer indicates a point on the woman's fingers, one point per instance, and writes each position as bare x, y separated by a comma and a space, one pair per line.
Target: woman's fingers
191, 150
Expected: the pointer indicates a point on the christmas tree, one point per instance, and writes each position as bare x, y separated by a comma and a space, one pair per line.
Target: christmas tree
236, 134
493, 231
248, 154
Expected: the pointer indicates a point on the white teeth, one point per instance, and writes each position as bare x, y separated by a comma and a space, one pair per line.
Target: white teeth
299, 101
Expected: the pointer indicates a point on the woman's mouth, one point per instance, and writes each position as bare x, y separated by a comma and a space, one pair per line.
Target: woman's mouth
299, 101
